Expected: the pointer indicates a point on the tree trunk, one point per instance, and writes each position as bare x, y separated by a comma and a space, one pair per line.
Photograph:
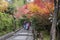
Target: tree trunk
54, 23
58, 28
14, 23
33, 31
41, 36
58, 35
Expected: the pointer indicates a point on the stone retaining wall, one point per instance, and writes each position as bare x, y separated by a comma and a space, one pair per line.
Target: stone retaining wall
4, 37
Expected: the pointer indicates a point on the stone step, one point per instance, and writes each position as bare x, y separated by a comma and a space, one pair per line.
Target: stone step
23, 34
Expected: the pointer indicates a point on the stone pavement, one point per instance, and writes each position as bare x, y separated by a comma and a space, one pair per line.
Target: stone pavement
22, 35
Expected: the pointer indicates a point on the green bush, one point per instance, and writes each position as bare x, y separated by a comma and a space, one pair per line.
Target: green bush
6, 23
18, 25
10, 10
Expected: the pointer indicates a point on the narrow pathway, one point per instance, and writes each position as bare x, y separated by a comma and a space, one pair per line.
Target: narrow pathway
22, 35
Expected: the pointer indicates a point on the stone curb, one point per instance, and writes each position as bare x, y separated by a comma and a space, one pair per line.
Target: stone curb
4, 37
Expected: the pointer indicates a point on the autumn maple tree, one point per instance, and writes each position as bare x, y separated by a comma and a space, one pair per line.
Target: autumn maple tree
39, 10
40, 6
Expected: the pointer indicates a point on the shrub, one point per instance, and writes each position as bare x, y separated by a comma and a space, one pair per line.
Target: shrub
5, 22
3, 5
10, 9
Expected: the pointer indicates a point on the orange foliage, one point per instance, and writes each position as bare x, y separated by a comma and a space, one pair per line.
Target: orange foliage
35, 8
46, 5
39, 7
50, 6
